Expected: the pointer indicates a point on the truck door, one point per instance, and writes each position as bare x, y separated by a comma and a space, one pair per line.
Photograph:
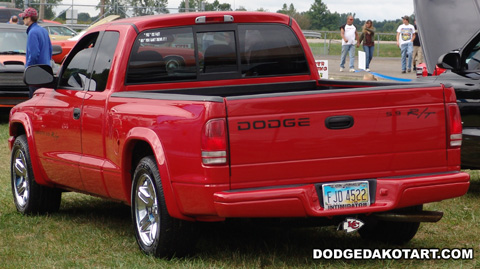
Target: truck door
93, 161
58, 135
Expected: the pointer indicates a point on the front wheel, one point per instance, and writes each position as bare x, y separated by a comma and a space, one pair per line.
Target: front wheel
391, 232
30, 197
157, 233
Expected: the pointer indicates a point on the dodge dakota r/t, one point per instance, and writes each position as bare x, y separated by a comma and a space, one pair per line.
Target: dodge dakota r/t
208, 116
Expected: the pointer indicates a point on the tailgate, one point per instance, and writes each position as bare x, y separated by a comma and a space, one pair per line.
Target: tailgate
330, 135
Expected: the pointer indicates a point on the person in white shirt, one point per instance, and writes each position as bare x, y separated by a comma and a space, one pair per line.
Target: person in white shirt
405, 37
349, 40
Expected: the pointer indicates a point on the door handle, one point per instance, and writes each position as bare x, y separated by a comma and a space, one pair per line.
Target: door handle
76, 113
339, 122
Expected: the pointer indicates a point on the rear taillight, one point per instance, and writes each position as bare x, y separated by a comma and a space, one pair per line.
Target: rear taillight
214, 142
454, 132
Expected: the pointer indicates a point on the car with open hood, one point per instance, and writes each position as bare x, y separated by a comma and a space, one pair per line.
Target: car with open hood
450, 39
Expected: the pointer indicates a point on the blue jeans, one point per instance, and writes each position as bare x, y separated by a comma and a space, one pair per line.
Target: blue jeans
351, 51
406, 50
368, 55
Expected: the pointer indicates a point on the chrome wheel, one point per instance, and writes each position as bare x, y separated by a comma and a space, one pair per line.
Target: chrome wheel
147, 217
21, 181
157, 233
29, 197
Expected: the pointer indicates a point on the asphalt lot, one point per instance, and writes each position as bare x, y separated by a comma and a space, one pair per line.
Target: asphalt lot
386, 66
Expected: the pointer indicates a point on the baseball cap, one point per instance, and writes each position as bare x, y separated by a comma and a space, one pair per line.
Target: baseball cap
406, 18
29, 12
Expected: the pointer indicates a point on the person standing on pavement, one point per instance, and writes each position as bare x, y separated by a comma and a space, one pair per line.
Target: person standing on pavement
349, 40
417, 56
39, 47
405, 38
368, 31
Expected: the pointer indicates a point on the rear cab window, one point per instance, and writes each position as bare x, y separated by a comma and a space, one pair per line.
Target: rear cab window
200, 53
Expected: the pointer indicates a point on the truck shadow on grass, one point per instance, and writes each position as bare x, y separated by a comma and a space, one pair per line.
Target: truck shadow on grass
237, 242
87, 209
275, 244
474, 188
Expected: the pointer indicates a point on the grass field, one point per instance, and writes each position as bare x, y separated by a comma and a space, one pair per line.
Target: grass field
385, 49
91, 232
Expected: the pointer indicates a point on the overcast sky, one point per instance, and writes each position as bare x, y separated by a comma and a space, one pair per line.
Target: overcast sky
363, 9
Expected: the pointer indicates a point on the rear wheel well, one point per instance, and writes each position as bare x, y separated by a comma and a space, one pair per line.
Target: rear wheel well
134, 152
140, 149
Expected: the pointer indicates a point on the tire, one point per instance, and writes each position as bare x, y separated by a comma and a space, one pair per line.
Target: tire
391, 232
30, 197
172, 64
156, 232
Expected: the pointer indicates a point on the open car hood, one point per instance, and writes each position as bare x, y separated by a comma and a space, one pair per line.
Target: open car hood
445, 25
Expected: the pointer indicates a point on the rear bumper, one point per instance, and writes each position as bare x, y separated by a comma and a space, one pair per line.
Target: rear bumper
303, 200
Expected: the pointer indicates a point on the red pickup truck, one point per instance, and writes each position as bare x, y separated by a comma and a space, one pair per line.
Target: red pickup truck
208, 116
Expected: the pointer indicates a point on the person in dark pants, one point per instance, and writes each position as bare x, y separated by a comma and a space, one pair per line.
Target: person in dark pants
39, 47
417, 56
367, 36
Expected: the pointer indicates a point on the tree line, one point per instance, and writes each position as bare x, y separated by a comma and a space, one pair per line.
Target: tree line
318, 17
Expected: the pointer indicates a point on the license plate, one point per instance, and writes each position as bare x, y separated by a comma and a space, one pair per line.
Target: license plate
345, 195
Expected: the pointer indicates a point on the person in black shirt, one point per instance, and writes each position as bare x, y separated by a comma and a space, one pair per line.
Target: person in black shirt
417, 55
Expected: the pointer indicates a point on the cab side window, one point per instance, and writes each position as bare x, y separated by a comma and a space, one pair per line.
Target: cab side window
75, 74
103, 61
90, 65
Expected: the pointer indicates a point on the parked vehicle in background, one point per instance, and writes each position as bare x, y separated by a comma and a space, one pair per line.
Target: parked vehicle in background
13, 42
6, 13
68, 44
459, 57
58, 31
50, 21
241, 128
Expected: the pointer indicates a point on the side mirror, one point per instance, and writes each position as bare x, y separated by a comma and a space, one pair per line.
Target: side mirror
56, 49
39, 76
450, 60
